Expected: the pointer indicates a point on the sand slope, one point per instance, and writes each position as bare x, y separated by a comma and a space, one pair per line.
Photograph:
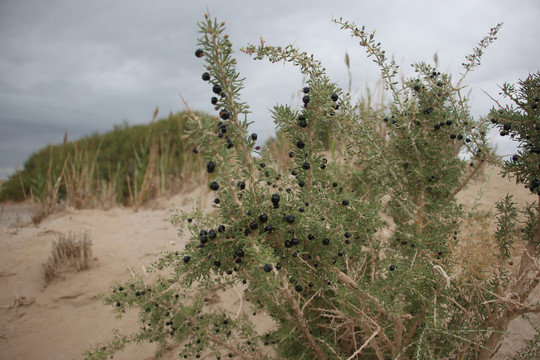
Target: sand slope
61, 320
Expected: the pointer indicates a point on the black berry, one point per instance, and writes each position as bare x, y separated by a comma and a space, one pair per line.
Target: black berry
289, 219
199, 53
217, 89
239, 253
214, 185
224, 114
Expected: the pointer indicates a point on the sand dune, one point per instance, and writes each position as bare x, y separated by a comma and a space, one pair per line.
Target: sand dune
62, 319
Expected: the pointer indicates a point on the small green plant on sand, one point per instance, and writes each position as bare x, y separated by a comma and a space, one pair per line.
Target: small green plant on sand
363, 255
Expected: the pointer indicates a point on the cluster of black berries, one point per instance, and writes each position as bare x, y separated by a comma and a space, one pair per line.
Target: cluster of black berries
275, 200
306, 99
224, 114
522, 124
204, 235
428, 107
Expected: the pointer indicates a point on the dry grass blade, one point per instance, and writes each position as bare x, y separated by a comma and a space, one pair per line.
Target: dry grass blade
81, 176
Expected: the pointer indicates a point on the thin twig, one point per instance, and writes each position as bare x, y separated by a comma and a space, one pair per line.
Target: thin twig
357, 352
228, 347
301, 321
241, 303
447, 278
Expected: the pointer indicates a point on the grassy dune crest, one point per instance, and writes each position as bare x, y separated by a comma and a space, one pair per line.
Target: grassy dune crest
128, 165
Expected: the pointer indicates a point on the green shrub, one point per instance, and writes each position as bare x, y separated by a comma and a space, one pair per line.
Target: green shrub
519, 120
363, 255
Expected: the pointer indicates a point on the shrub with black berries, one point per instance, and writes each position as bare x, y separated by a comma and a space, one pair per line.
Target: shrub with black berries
521, 122
358, 258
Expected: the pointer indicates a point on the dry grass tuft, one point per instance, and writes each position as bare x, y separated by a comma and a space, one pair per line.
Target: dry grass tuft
71, 252
475, 251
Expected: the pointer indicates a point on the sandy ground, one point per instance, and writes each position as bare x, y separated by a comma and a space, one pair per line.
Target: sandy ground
63, 319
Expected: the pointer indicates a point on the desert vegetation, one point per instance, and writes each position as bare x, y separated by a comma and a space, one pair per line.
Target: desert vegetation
129, 165
344, 230
362, 254
72, 252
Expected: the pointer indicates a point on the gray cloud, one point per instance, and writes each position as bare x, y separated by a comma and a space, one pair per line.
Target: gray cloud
82, 67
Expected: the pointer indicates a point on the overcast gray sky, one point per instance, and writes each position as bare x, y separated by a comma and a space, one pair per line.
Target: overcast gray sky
84, 66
